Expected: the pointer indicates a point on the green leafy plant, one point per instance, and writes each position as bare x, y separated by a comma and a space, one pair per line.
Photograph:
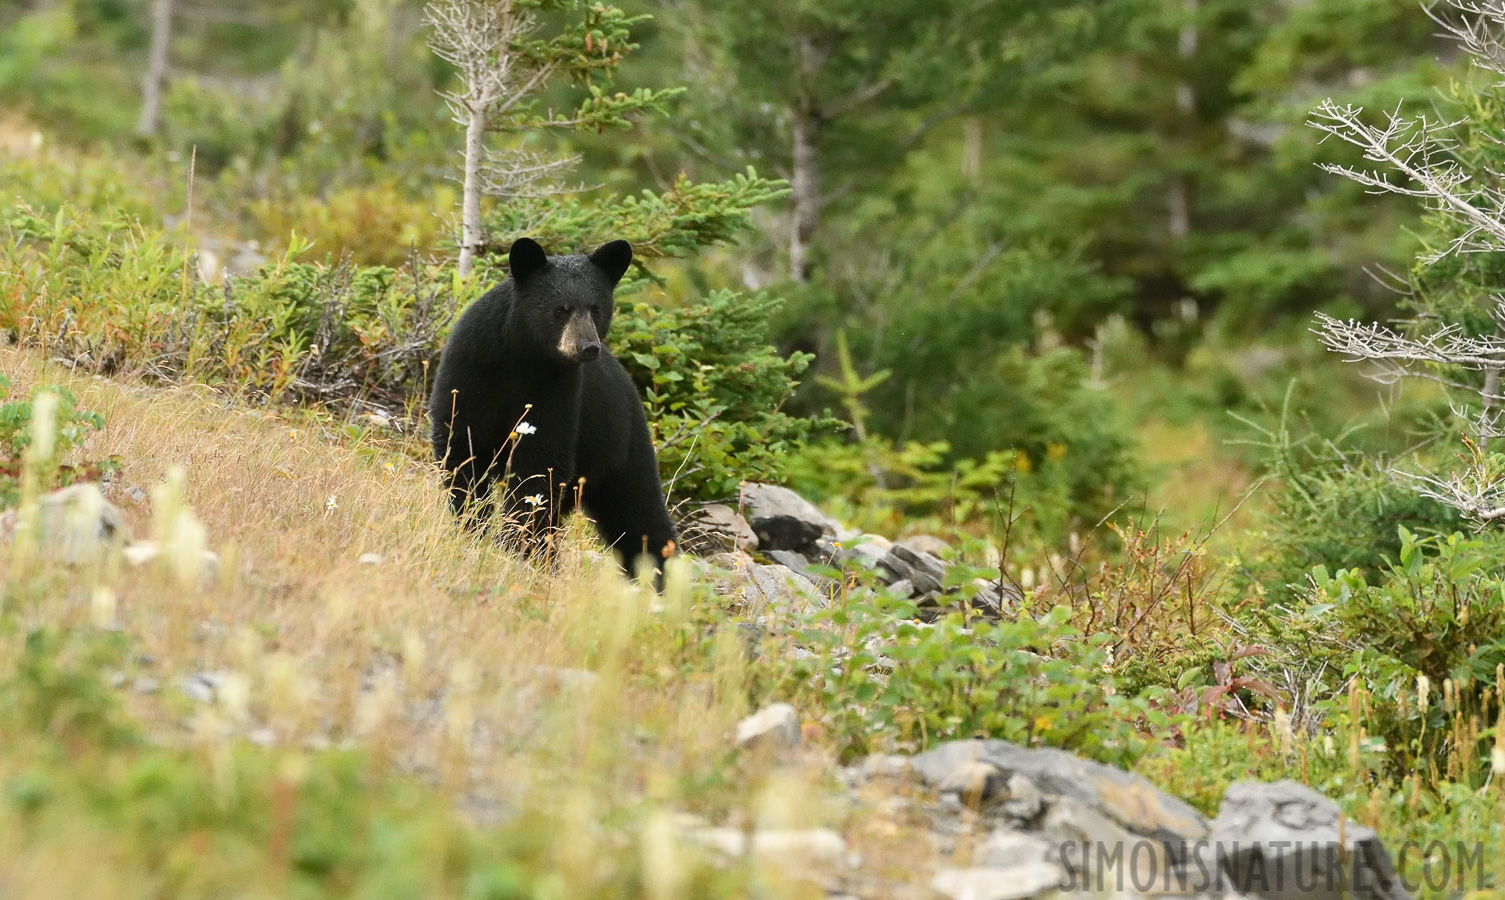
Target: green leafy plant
73, 428
714, 390
1439, 608
885, 680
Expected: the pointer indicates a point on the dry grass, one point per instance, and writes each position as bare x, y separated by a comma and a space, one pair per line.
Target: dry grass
514, 687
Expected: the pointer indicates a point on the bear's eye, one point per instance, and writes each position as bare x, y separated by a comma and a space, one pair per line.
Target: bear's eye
562, 311
595, 309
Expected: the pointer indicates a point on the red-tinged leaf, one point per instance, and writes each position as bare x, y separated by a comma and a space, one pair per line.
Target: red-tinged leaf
1249, 682
1244, 652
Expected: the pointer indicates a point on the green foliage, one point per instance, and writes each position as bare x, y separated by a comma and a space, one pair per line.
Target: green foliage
677, 222
1439, 608
714, 391
885, 680
73, 428
132, 301
1037, 438
43, 74
1337, 509
878, 486
54, 690
338, 332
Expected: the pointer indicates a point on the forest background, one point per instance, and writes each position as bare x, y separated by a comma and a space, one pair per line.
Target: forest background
1039, 278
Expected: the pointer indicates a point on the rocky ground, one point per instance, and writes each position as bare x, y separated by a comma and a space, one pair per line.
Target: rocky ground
1002, 822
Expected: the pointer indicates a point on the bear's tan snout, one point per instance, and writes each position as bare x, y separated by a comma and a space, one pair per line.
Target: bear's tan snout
579, 340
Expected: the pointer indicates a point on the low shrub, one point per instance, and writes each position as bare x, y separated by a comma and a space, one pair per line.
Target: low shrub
883, 680
73, 427
372, 225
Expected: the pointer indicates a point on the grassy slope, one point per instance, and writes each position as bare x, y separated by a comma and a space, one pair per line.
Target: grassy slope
460, 649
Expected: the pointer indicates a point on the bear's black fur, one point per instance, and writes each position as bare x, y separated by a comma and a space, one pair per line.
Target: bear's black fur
526, 389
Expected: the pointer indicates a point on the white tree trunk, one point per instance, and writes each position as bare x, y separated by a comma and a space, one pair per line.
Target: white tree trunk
1186, 107
156, 69
470, 209
804, 184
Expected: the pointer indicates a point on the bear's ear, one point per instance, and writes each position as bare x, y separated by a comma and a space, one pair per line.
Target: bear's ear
613, 259
526, 259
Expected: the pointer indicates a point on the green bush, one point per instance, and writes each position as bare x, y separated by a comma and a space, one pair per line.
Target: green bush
1439, 608
1342, 514
1041, 439
714, 390
73, 428
114, 296
884, 680
1336, 500
876, 485
1422, 638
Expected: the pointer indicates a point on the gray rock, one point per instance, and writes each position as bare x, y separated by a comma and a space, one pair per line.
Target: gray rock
1024, 799
903, 587
777, 726
776, 589
782, 519
924, 543
202, 686
925, 571
75, 525
792, 561
1285, 840
1126, 799
730, 560
864, 551
882, 766
717, 528
1005, 849
998, 883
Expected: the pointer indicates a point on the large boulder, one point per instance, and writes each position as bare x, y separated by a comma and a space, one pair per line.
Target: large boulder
782, 519
1285, 841
74, 525
1126, 799
776, 590
1093, 826
923, 570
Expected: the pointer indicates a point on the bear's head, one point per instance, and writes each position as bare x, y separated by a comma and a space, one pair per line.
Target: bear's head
564, 304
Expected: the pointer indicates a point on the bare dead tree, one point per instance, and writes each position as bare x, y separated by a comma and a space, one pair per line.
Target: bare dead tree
484, 40
1415, 157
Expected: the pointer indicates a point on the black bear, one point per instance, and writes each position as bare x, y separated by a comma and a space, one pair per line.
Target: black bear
527, 395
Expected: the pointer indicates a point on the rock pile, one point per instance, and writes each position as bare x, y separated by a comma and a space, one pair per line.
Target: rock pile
1051, 821
777, 544
998, 821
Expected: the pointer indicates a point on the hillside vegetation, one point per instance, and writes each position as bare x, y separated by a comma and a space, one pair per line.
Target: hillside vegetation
1035, 284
